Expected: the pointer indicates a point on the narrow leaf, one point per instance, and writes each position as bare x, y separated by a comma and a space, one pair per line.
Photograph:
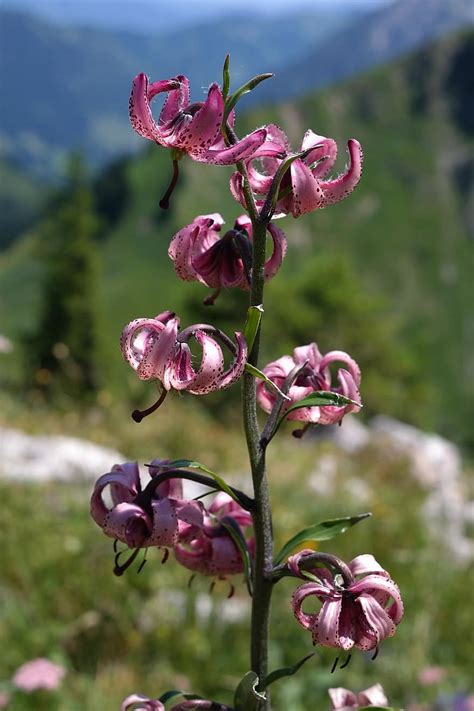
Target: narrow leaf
323, 531
244, 89
226, 77
252, 370
320, 398
273, 194
286, 671
190, 464
252, 324
238, 537
246, 697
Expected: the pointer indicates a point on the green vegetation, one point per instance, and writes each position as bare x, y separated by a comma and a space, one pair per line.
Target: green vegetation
148, 632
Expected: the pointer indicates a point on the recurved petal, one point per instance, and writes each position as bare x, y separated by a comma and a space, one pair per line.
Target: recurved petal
375, 617
324, 153
181, 251
158, 353
141, 117
326, 626
212, 365
237, 367
179, 373
242, 150
308, 621
204, 128
146, 704
164, 530
125, 478
129, 523
308, 353
176, 101
341, 357
273, 264
366, 564
340, 187
342, 698
373, 584
307, 193
374, 696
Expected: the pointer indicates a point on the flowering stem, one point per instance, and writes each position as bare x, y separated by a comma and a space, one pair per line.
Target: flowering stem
310, 562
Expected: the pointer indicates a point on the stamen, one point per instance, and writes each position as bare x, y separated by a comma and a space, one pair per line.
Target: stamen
346, 663
210, 300
120, 569
165, 200
211, 586
138, 415
190, 581
375, 654
333, 669
166, 556
142, 564
231, 591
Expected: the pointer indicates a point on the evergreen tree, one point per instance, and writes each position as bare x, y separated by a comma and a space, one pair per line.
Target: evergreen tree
62, 351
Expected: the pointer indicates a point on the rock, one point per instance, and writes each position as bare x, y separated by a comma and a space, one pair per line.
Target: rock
41, 458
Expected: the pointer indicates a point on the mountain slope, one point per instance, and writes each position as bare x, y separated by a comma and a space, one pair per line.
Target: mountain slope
78, 79
406, 231
373, 39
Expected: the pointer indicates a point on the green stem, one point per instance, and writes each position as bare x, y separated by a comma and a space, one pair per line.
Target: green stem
262, 585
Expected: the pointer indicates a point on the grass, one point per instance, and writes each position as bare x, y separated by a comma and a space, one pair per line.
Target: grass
150, 632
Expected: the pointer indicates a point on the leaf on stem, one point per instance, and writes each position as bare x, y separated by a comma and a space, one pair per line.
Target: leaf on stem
226, 77
244, 89
237, 536
252, 324
252, 370
190, 464
320, 398
323, 531
274, 193
286, 671
246, 697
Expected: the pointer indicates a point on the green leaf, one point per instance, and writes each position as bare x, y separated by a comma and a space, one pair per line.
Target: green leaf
252, 324
237, 536
246, 697
323, 531
273, 195
226, 77
244, 89
286, 671
320, 398
252, 370
190, 464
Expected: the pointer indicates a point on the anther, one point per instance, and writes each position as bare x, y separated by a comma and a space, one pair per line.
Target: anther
139, 415
333, 669
166, 556
374, 657
346, 663
120, 569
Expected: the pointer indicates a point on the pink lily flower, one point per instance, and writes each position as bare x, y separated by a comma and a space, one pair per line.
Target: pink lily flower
146, 704
141, 521
345, 700
195, 128
356, 612
200, 254
38, 674
213, 551
314, 376
304, 187
154, 350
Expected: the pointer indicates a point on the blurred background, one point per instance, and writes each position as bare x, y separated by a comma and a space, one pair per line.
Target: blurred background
385, 275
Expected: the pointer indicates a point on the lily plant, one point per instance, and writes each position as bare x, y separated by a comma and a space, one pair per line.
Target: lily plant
359, 604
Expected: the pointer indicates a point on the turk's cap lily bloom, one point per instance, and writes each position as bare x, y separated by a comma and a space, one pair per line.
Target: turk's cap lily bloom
140, 521
38, 674
314, 376
345, 700
137, 702
305, 186
193, 128
213, 551
360, 612
200, 254
147, 704
155, 350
